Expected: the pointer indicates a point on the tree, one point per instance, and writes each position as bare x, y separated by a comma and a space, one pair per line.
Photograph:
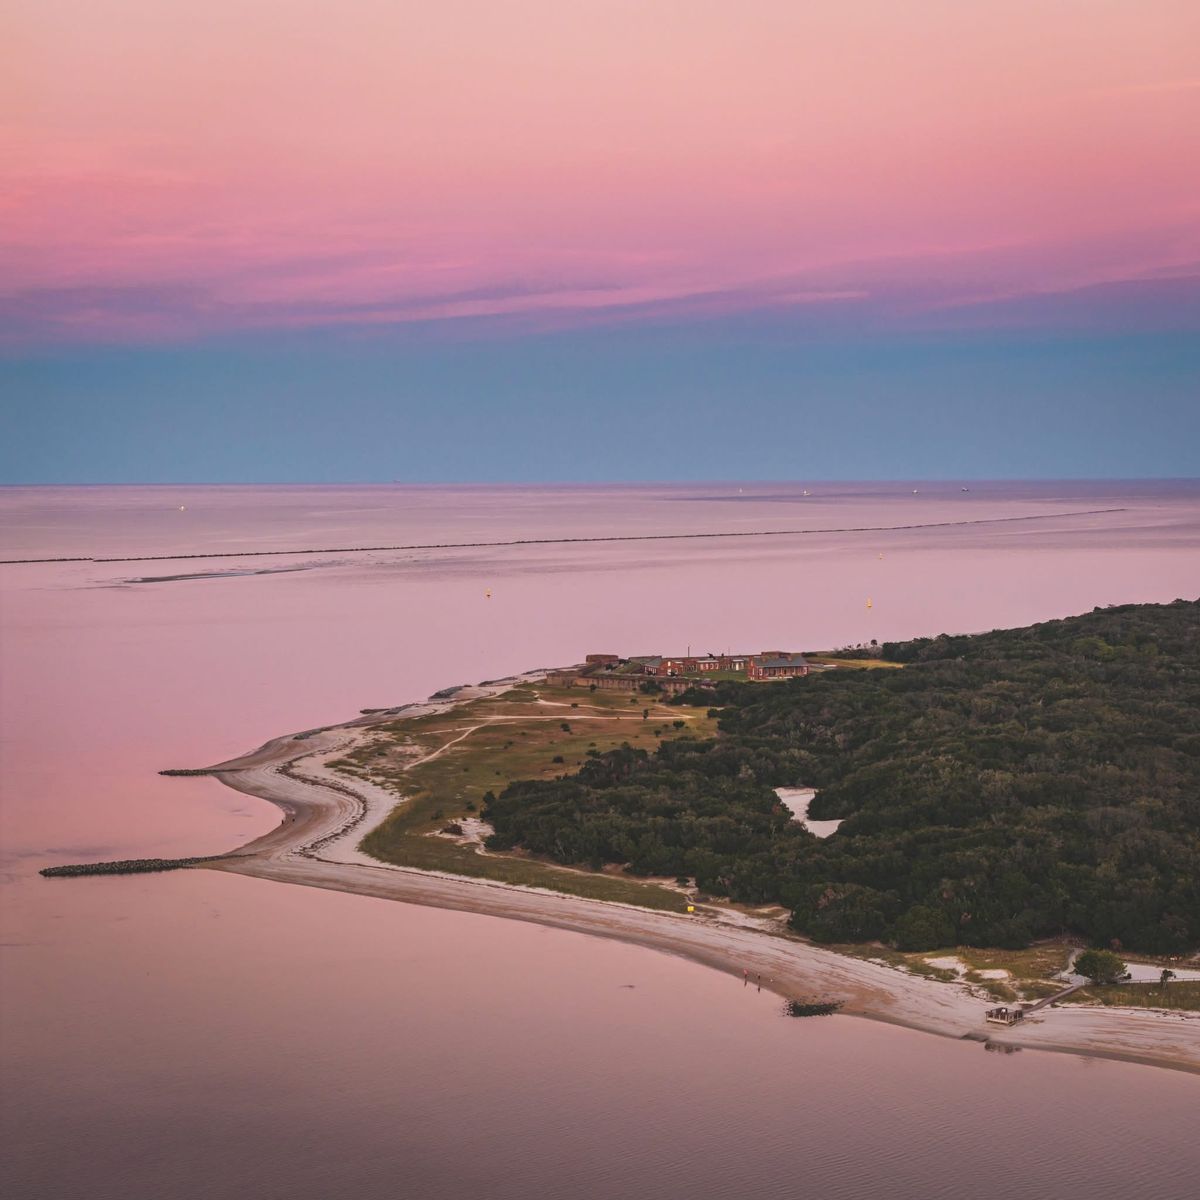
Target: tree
841, 912
1166, 977
1022, 783
1100, 966
923, 928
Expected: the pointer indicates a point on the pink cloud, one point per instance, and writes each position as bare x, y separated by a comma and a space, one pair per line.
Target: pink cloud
196, 168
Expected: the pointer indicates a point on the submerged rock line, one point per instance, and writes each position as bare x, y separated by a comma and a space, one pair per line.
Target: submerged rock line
567, 541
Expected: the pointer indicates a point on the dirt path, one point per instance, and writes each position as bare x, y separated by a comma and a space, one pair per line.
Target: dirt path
323, 821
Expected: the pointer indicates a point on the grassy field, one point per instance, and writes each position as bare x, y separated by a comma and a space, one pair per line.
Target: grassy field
1179, 994
915, 963
831, 660
442, 765
1030, 971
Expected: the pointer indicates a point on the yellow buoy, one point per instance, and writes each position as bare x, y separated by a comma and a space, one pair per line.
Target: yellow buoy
869, 605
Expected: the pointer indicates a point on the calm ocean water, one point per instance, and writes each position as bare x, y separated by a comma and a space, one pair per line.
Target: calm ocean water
198, 1035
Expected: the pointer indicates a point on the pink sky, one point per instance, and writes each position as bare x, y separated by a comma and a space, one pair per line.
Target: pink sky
180, 167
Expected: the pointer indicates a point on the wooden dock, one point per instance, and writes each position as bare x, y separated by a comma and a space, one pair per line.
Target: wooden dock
1074, 987
1012, 1014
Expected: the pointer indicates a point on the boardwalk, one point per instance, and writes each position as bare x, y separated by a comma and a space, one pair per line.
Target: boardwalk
1055, 998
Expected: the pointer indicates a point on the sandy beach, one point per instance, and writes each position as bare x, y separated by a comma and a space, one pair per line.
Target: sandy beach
326, 816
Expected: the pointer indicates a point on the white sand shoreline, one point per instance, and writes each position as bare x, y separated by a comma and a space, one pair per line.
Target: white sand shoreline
326, 816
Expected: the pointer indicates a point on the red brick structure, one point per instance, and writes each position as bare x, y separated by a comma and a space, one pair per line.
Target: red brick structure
697, 664
613, 673
773, 665
630, 683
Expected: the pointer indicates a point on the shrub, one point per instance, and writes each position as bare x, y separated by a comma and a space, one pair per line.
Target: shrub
923, 928
842, 912
1100, 966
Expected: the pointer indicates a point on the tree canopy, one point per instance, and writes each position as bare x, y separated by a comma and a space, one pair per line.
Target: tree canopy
1001, 787
1100, 966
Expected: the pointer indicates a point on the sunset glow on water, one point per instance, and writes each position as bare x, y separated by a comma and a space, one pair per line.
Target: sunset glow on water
201, 1035
352, 351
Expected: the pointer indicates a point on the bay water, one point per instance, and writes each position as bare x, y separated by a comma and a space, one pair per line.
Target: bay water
205, 1035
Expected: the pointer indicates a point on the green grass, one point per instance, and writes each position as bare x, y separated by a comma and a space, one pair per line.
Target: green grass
441, 854
1183, 995
1039, 989
1030, 975
504, 738
894, 958
832, 660
1030, 970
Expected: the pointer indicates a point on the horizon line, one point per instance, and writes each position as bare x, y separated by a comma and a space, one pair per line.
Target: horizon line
614, 483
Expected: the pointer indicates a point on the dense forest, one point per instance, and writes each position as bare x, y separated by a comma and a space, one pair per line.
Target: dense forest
999, 788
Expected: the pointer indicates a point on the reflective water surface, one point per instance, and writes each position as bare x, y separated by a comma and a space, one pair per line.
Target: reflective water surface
206, 1035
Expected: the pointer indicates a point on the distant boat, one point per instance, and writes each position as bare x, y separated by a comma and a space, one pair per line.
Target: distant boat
915, 492
183, 508
869, 604
487, 595
964, 489
806, 492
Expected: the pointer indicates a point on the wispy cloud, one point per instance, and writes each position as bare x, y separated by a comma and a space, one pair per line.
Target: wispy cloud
1148, 283
1132, 89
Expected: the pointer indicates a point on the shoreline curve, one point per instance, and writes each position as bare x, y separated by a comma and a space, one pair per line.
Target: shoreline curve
315, 846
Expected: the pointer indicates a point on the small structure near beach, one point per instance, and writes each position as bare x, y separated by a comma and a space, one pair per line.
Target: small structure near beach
1004, 1015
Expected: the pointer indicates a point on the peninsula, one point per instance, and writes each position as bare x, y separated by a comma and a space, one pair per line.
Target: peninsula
996, 800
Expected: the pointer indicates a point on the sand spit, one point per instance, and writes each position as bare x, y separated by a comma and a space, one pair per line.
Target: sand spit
324, 819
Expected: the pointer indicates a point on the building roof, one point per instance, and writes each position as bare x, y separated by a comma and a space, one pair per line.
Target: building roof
784, 660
